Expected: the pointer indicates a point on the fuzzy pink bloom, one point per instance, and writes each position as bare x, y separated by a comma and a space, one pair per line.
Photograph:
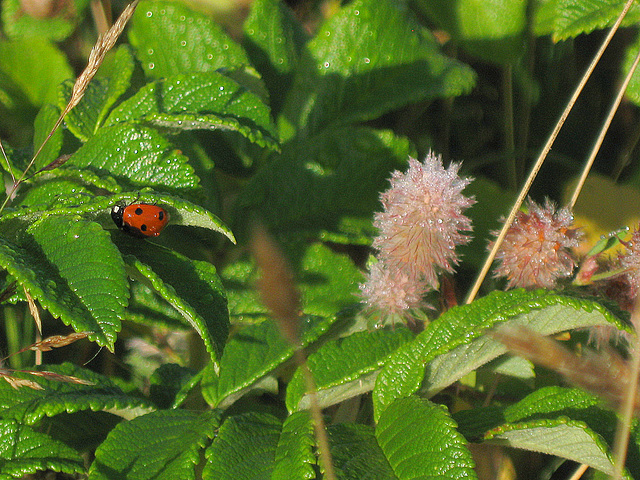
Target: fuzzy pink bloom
392, 291
535, 252
422, 219
630, 261
624, 288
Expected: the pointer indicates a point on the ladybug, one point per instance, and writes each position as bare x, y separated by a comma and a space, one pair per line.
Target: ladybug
140, 220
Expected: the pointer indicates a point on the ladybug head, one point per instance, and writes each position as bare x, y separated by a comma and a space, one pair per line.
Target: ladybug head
116, 214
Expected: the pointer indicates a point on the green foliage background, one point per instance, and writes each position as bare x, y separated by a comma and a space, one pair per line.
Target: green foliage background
298, 122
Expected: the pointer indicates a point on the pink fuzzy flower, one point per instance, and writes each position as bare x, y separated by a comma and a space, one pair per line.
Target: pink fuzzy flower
393, 292
535, 252
422, 220
627, 284
630, 261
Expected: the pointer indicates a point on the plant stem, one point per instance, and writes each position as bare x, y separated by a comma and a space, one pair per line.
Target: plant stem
509, 142
12, 321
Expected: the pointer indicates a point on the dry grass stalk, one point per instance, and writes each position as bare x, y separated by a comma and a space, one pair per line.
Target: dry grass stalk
61, 160
58, 377
17, 382
276, 285
280, 295
101, 13
49, 343
9, 169
33, 309
57, 341
605, 373
35, 313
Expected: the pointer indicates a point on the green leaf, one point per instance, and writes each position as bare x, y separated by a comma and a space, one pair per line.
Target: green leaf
111, 81
255, 352
192, 287
457, 342
542, 404
517, 367
250, 355
245, 447
558, 401
146, 307
567, 18
633, 89
167, 382
369, 58
565, 422
318, 183
274, 40
98, 208
328, 281
71, 267
420, 440
161, 445
47, 194
200, 101
181, 212
172, 39
239, 279
83, 177
493, 30
34, 67
91, 268
138, 155
356, 453
562, 437
295, 458
24, 451
186, 388
346, 367
45, 120
28, 406
83, 431
570, 407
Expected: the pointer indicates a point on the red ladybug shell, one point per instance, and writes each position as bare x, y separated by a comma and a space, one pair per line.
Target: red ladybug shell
140, 220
